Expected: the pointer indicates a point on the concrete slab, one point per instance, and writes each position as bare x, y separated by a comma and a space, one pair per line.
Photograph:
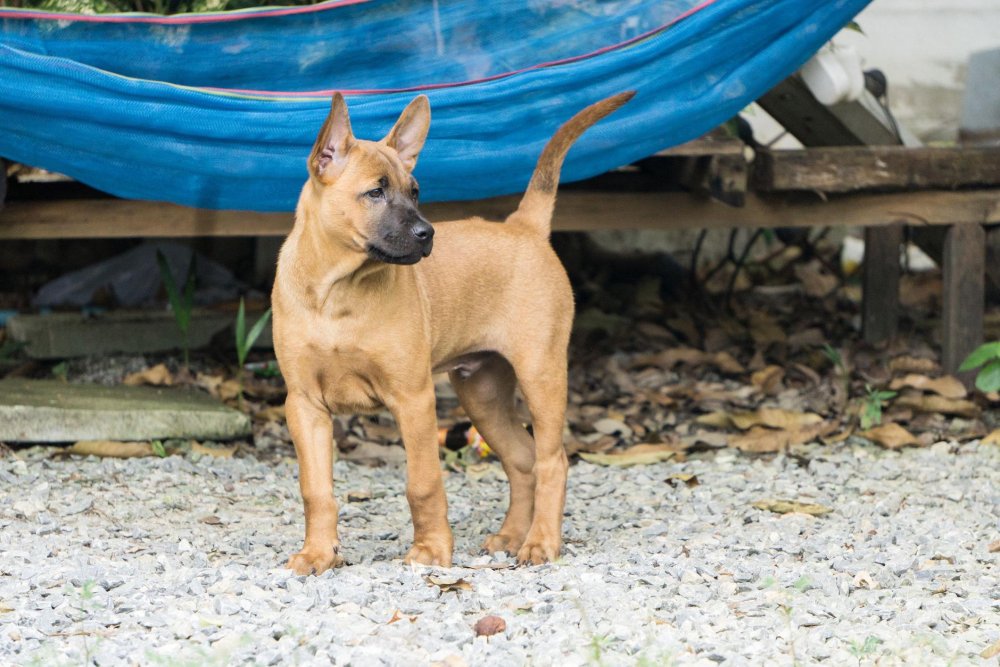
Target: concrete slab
53, 411
66, 335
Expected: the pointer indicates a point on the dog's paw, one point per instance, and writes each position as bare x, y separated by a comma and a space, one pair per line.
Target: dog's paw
426, 553
315, 561
505, 543
537, 552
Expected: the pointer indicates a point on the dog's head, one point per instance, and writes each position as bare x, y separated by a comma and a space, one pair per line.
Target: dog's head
366, 190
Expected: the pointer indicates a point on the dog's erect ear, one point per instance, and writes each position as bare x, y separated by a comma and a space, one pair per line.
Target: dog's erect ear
410, 131
329, 155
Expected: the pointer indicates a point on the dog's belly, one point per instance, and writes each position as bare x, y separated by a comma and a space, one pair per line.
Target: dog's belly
464, 364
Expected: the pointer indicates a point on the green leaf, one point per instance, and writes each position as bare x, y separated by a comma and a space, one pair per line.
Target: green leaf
981, 355
169, 284
885, 395
241, 333
257, 329
853, 25
185, 318
159, 449
989, 378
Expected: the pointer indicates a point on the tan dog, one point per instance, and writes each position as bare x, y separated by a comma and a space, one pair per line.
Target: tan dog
359, 325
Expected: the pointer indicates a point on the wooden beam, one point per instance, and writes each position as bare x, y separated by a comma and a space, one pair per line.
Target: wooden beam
880, 283
852, 168
576, 210
963, 294
814, 124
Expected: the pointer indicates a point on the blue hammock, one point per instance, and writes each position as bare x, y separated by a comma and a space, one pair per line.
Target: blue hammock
220, 110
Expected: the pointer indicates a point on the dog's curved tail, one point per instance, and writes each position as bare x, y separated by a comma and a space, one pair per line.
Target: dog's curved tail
538, 203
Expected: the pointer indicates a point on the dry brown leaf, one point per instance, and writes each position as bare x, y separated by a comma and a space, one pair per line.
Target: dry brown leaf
272, 413
217, 452
768, 379
765, 330
667, 359
760, 440
774, 418
764, 440
947, 386
934, 403
726, 363
211, 520
687, 479
890, 436
815, 283
358, 496
218, 386
994, 547
705, 438
158, 375
993, 438
372, 453
111, 449
811, 337
781, 506
447, 584
991, 651
864, 580
840, 436
488, 626
718, 419
644, 454
907, 364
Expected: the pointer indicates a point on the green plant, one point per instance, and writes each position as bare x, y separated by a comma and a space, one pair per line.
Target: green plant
871, 411
180, 304
245, 340
986, 358
60, 370
158, 448
10, 347
862, 649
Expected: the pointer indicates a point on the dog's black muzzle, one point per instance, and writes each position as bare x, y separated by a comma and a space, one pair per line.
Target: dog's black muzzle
404, 236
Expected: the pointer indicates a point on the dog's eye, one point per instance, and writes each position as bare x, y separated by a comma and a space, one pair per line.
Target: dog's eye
377, 193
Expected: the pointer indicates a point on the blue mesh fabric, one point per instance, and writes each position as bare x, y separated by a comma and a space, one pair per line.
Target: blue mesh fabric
221, 111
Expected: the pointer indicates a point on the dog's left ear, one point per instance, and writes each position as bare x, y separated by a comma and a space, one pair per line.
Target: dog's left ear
410, 131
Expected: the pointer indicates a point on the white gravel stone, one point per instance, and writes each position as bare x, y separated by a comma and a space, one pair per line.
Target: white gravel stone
109, 560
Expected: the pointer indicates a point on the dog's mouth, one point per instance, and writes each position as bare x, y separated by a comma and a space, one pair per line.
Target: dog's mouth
380, 255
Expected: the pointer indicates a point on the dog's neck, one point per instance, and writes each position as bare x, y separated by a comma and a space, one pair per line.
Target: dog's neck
319, 265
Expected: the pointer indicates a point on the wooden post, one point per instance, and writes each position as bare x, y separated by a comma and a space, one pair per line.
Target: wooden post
3, 182
880, 280
964, 275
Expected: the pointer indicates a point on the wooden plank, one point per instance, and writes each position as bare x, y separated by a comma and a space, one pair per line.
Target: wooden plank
880, 283
576, 210
851, 168
707, 145
964, 265
814, 124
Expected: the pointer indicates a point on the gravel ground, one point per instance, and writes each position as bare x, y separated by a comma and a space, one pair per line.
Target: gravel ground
178, 561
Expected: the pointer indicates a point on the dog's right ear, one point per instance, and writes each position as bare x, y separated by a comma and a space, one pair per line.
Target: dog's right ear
329, 155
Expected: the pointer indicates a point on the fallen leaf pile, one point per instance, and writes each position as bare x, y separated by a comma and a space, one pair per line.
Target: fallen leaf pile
660, 367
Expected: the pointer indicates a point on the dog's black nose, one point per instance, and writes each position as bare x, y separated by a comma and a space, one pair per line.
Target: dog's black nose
422, 230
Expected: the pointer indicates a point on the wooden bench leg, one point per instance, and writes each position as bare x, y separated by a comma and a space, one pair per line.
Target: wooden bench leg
880, 283
963, 296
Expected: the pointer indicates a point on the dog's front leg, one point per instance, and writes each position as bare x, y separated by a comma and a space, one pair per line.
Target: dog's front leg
432, 539
312, 431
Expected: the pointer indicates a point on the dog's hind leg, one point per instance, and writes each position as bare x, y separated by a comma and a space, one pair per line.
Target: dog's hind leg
487, 395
